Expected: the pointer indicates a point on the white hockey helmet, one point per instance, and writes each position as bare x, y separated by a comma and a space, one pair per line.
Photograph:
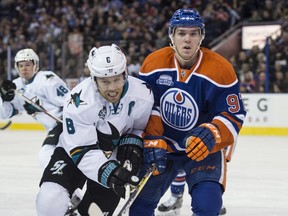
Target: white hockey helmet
106, 61
27, 55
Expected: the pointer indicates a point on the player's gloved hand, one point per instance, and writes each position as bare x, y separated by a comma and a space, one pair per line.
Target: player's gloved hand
30, 109
199, 141
130, 150
155, 153
113, 175
7, 90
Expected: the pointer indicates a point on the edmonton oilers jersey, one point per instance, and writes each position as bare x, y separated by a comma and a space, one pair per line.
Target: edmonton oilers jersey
184, 99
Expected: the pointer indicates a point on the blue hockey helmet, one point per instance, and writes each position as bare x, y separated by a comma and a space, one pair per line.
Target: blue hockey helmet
186, 18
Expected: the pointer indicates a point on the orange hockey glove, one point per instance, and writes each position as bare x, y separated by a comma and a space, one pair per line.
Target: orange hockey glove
199, 141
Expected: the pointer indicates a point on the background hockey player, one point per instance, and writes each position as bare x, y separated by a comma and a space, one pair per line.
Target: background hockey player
197, 115
102, 131
44, 88
173, 205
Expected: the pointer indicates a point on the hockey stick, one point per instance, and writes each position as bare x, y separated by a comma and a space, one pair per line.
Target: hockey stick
6, 125
136, 191
37, 106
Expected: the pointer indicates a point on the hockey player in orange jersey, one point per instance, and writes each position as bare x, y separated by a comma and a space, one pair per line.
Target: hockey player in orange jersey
197, 115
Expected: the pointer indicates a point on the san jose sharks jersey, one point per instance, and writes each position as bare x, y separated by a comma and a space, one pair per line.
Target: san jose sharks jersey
46, 89
87, 115
185, 98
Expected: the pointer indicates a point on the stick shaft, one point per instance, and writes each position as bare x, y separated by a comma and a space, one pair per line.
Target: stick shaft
137, 190
39, 107
6, 125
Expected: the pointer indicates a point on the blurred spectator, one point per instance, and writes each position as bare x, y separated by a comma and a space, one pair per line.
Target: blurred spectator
133, 67
248, 84
260, 83
138, 27
245, 68
279, 85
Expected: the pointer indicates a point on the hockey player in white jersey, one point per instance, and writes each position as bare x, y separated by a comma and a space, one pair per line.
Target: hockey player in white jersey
103, 122
44, 88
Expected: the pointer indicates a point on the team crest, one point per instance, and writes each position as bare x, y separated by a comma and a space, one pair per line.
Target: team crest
179, 109
76, 100
49, 76
36, 100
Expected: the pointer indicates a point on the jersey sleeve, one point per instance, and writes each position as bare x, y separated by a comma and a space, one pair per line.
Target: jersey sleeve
221, 100
79, 139
151, 63
229, 121
143, 110
54, 90
7, 109
77, 131
225, 104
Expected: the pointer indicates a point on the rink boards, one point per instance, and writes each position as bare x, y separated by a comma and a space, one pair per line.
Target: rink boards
266, 115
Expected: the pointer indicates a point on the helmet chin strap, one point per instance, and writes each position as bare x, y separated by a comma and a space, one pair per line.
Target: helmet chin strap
35, 68
172, 45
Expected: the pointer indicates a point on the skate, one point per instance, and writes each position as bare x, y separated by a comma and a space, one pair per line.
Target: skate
171, 207
223, 211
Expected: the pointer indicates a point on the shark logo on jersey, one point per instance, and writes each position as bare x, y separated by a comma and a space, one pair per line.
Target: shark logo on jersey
49, 76
58, 167
179, 109
75, 99
32, 109
108, 139
165, 80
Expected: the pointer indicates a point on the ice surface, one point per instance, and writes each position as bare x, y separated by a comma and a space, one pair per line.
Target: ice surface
257, 175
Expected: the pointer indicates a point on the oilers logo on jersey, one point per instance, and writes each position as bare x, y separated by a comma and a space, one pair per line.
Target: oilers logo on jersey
179, 110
